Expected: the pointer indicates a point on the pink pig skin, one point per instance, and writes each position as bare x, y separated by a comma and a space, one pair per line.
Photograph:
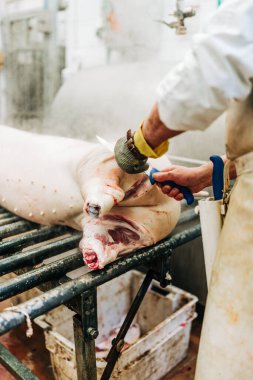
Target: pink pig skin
55, 180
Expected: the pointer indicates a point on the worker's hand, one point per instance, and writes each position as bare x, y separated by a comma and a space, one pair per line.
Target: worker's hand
196, 179
128, 157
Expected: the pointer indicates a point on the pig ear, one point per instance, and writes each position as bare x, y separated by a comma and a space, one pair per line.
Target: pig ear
100, 197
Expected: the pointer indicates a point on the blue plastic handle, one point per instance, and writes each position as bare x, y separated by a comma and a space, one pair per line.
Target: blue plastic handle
184, 190
218, 168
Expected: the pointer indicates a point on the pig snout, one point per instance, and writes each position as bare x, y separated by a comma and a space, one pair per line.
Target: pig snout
109, 236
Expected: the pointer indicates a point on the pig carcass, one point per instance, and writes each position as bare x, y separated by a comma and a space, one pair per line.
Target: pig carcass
56, 180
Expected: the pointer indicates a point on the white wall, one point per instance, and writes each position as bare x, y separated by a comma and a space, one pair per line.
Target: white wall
138, 34
173, 46
141, 37
16, 6
109, 100
83, 47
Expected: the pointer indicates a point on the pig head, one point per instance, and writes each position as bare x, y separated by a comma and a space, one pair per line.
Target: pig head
55, 180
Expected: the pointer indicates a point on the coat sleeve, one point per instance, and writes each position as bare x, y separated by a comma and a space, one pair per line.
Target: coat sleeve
219, 67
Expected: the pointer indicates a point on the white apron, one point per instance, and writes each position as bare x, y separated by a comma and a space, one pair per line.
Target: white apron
226, 344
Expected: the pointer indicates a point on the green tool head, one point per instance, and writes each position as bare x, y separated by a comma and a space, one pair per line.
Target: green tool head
126, 159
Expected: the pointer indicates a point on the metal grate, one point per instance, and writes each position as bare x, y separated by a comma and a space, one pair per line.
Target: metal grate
34, 253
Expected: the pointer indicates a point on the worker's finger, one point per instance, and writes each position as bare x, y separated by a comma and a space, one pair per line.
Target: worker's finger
166, 174
170, 191
166, 189
174, 192
179, 197
161, 177
168, 169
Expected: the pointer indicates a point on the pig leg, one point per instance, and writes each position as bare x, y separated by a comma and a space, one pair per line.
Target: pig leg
126, 229
100, 185
106, 236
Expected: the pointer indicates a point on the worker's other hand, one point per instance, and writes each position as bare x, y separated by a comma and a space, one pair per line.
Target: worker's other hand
132, 152
196, 179
129, 159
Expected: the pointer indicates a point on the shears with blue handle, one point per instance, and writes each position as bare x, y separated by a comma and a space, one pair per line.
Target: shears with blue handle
184, 190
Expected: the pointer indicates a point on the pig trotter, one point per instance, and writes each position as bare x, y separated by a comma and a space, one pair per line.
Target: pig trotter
90, 259
93, 210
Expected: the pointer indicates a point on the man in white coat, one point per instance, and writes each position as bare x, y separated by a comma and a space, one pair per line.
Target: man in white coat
216, 75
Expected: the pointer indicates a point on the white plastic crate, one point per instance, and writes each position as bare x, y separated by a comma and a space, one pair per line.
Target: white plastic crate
164, 318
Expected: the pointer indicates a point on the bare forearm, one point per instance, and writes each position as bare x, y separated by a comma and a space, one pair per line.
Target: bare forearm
154, 131
206, 171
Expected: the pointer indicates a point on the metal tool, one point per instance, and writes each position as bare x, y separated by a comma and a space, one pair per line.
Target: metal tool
180, 14
217, 177
184, 190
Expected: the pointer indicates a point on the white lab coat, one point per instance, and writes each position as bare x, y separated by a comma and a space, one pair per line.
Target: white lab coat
217, 69
214, 76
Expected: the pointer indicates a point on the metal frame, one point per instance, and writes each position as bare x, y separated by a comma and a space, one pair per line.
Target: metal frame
118, 342
15, 367
85, 333
78, 294
45, 56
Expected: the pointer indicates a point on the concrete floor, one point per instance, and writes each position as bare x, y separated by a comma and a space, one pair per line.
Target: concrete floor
31, 351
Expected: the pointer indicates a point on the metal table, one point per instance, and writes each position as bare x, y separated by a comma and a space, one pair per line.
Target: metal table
25, 248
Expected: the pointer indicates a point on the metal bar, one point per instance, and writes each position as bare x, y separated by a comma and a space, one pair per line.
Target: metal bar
85, 333
9, 220
4, 215
63, 293
38, 236
14, 366
38, 276
23, 225
37, 255
118, 342
16, 228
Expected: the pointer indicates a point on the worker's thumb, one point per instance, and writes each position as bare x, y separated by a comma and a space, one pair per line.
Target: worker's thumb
165, 175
